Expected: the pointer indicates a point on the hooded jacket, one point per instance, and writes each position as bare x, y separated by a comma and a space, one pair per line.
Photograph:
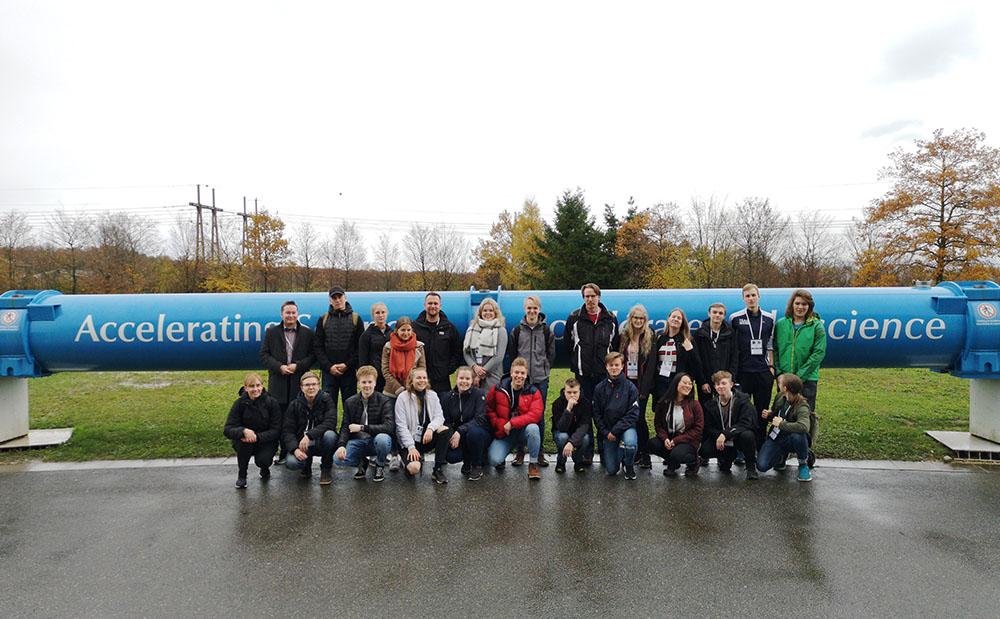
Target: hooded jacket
587, 343
799, 351
720, 354
463, 411
370, 346
273, 354
743, 417
381, 418
616, 406
575, 422
337, 335
313, 421
442, 346
408, 416
798, 419
262, 415
536, 344
498, 407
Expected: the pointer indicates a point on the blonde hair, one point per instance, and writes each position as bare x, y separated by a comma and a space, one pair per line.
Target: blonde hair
645, 335
366, 370
379, 304
534, 299
252, 376
496, 308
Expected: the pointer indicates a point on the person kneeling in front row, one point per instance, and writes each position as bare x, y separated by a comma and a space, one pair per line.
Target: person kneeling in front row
311, 429
420, 426
571, 419
464, 410
367, 427
792, 428
616, 411
730, 422
253, 425
514, 408
678, 422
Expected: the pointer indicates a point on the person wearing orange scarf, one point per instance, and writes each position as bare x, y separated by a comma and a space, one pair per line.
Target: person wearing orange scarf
402, 353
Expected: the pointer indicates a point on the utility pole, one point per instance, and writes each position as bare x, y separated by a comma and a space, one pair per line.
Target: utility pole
199, 232
245, 216
216, 249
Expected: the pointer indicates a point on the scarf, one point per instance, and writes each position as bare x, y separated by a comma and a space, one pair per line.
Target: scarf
402, 355
481, 338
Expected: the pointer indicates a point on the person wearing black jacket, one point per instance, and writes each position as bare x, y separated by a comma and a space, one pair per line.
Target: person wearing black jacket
373, 340
253, 426
730, 423
715, 343
366, 428
571, 420
287, 353
464, 409
442, 343
310, 428
616, 410
754, 329
675, 355
338, 333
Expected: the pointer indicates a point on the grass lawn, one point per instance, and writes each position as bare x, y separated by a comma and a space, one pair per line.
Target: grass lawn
864, 414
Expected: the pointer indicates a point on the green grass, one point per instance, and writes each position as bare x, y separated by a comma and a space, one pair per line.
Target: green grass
864, 414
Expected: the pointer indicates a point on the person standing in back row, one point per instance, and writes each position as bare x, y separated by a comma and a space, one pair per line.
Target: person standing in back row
591, 333
338, 332
532, 340
442, 343
715, 343
754, 330
373, 340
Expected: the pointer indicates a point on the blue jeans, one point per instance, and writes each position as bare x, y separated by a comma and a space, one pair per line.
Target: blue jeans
621, 452
775, 450
517, 438
470, 450
358, 448
562, 438
324, 447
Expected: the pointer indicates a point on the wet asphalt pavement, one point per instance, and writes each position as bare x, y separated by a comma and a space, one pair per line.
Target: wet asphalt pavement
182, 542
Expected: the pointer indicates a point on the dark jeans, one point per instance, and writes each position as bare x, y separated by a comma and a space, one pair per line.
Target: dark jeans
809, 388
587, 386
683, 453
438, 445
282, 452
262, 454
758, 386
620, 453
344, 385
744, 441
323, 448
776, 450
471, 448
441, 386
642, 432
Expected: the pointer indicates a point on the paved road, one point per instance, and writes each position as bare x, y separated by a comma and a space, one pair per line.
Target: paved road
180, 541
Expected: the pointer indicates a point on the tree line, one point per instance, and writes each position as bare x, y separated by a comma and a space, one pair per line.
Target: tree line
939, 220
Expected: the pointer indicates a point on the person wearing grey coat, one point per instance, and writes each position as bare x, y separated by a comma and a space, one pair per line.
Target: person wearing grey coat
485, 345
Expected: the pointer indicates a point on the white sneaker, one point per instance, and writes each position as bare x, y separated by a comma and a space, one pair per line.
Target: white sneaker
394, 463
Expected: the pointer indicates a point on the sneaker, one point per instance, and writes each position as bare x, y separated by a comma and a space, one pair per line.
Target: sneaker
541, 459
560, 464
740, 459
644, 462
394, 463
579, 467
691, 470
804, 474
726, 470
241, 483
670, 471
362, 471
265, 473
752, 473
811, 460
518, 459
500, 468
379, 473
629, 472
325, 477
533, 471
279, 460
703, 461
466, 469
476, 473
306, 472
438, 475
779, 466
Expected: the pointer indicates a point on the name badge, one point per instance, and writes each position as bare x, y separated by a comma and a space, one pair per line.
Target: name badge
756, 347
632, 369
728, 443
774, 433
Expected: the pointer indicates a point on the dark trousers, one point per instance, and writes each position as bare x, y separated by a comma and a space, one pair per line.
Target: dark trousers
642, 432
441, 386
438, 445
344, 385
683, 453
745, 442
587, 386
809, 388
758, 386
775, 451
282, 452
472, 447
262, 454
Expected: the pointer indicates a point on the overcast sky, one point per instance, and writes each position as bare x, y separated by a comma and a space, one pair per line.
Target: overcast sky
453, 112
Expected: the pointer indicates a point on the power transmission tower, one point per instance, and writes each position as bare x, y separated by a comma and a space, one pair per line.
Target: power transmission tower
216, 249
245, 216
199, 232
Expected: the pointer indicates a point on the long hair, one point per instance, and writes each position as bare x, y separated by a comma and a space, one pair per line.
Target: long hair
805, 294
413, 392
496, 308
685, 328
645, 334
671, 393
793, 386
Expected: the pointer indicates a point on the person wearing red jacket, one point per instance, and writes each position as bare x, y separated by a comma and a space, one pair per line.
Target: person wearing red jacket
514, 409
679, 423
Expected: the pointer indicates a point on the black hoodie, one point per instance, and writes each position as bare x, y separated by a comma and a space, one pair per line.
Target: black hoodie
720, 354
442, 345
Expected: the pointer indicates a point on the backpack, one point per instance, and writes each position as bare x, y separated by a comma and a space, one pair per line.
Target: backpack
322, 319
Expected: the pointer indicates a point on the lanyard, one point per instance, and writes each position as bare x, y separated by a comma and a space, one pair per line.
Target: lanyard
760, 330
730, 414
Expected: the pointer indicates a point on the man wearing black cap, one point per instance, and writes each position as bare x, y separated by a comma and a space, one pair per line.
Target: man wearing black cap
337, 334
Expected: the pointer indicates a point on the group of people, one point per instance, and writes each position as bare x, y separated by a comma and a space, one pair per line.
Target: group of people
711, 390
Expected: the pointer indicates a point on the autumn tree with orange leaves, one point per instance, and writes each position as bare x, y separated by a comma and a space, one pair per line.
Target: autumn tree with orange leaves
940, 218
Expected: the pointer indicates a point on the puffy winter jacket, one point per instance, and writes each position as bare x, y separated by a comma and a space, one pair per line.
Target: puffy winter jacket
463, 411
498, 407
311, 420
381, 417
337, 337
616, 406
262, 415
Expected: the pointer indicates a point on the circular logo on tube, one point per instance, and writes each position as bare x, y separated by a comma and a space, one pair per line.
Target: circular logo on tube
987, 310
8, 318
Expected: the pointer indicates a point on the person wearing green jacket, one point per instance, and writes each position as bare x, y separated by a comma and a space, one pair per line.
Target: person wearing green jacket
791, 426
800, 343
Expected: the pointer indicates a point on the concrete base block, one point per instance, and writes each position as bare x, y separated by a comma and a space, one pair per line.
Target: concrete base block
13, 408
984, 408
